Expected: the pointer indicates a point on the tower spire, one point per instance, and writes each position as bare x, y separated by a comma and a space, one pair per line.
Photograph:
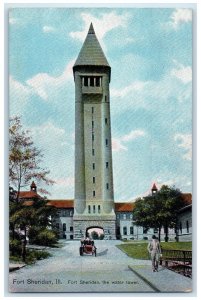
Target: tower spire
91, 29
91, 53
154, 189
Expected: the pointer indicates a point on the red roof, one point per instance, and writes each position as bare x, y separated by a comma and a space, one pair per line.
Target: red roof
154, 187
28, 195
121, 207
187, 197
69, 203
28, 203
61, 203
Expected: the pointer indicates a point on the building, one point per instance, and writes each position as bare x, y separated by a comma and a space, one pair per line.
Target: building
184, 221
94, 201
30, 195
63, 220
125, 227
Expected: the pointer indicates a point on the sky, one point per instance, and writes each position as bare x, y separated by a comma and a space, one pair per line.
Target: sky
150, 54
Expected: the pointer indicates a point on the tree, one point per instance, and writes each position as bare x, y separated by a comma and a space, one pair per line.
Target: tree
30, 219
24, 166
158, 210
24, 159
172, 201
145, 213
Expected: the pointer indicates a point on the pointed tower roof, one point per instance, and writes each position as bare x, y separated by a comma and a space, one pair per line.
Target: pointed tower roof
154, 187
91, 53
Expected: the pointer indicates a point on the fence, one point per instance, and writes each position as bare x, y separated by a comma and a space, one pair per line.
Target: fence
179, 261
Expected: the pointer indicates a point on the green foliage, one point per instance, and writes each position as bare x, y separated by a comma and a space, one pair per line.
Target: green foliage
160, 209
46, 237
138, 250
15, 247
33, 255
177, 246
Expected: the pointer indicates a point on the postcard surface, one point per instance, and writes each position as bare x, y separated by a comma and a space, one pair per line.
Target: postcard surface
100, 150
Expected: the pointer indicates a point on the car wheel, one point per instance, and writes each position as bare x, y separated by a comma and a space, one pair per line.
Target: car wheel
81, 251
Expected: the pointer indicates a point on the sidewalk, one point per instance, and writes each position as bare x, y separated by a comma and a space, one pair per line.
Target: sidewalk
164, 280
15, 266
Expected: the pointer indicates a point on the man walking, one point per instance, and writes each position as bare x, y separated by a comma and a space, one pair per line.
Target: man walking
155, 251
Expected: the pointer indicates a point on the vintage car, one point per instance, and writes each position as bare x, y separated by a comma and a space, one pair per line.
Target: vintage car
87, 247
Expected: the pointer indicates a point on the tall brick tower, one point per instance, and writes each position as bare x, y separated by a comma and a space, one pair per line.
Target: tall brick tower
94, 200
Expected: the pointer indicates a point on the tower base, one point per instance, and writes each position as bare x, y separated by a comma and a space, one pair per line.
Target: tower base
107, 223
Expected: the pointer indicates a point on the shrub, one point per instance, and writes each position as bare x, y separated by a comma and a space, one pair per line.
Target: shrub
15, 247
33, 255
33, 232
45, 238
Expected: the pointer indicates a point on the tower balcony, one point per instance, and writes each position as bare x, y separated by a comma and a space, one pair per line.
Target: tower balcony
92, 90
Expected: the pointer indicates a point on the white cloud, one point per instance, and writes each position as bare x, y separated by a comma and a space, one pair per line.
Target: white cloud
12, 21
146, 94
67, 182
101, 25
118, 143
18, 88
132, 135
50, 138
48, 129
41, 82
48, 29
55, 144
184, 141
182, 73
18, 96
179, 181
135, 86
180, 16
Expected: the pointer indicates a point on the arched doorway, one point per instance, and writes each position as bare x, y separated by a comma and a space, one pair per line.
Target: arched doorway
95, 232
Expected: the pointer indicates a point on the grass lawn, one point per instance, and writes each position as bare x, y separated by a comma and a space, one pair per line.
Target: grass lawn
138, 250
